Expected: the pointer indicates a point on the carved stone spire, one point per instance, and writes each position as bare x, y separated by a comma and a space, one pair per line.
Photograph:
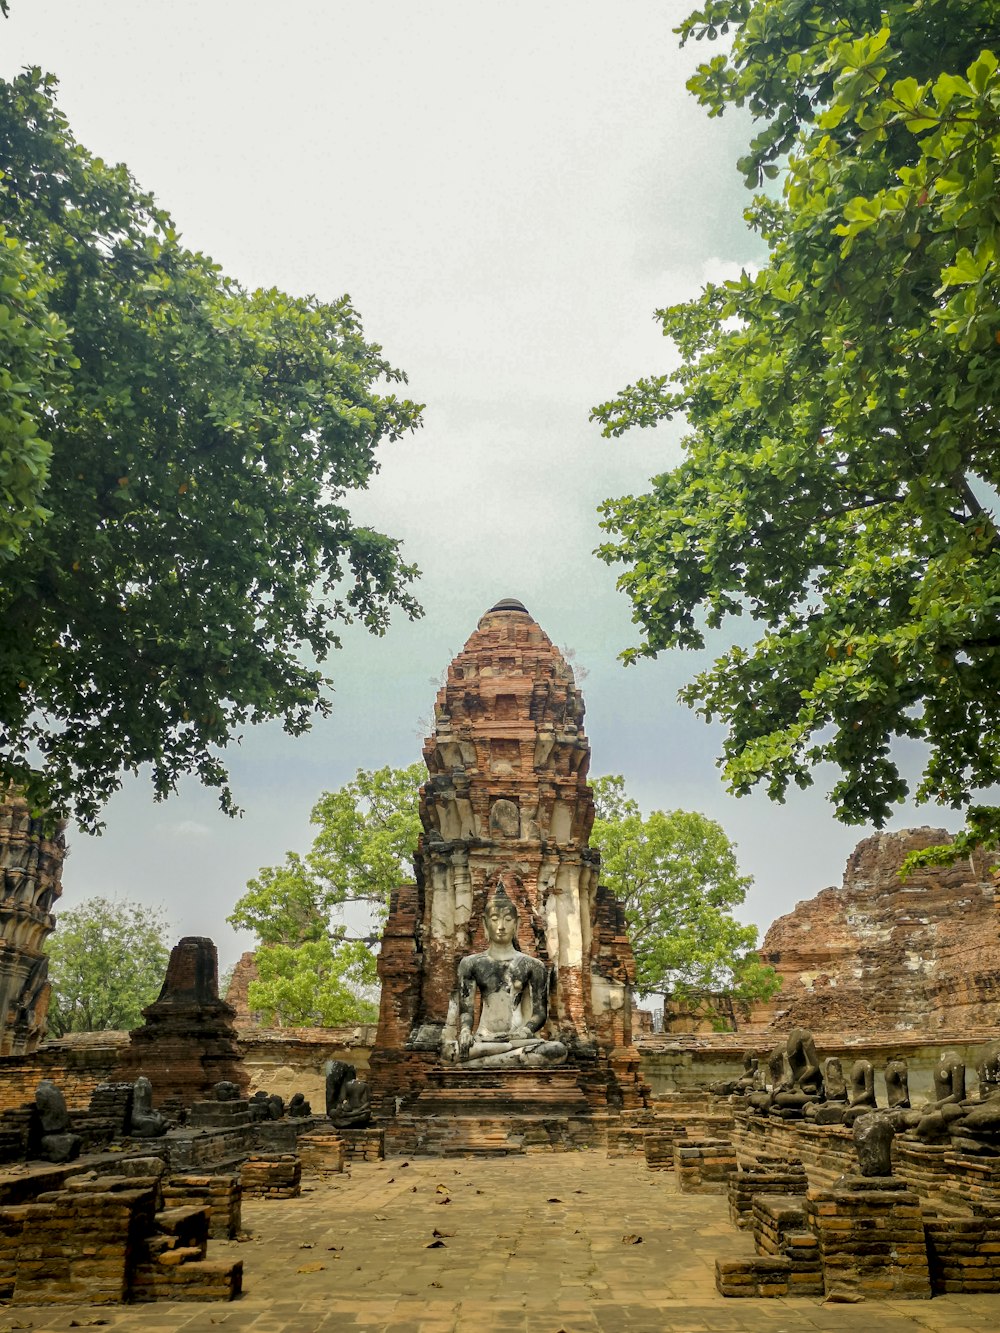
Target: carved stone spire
31, 858
507, 802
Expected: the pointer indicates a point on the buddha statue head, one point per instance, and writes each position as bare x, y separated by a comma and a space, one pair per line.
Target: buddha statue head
500, 918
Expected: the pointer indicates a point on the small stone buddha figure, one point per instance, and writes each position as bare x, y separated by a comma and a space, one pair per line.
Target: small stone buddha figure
56, 1140
746, 1083
775, 1080
862, 1091
145, 1123
979, 1128
805, 1085
513, 988
834, 1081
948, 1104
897, 1083
830, 1112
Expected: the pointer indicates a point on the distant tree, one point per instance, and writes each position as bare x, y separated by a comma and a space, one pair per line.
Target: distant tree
197, 558
321, 983
676, 876
308, 963
840, 473
107, 961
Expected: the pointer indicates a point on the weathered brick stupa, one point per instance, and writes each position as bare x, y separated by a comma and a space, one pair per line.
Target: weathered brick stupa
506, 810
187, 1043
31, 859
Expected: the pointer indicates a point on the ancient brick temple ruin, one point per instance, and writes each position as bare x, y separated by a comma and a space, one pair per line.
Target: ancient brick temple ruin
506, 803
881, 954
31, 858
187, 1043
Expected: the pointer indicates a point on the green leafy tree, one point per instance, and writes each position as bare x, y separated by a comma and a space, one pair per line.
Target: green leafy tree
321, 983
311, 971
839, 479
198, 559
676, 876
107, 960
35, 356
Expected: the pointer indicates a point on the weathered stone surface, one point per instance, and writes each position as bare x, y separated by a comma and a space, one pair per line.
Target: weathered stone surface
188, 1042
31, 862
507, 799
878, 954
873, 1135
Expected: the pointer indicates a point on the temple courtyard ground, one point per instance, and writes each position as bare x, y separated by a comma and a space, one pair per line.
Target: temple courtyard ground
536, 1244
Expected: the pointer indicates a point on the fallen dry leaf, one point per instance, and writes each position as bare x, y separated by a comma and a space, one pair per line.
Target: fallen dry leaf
390, 1180
380, 1217
402, 1164
435, 1232
553, 1200
444, 1200
442, 1189
311, 1268
631, 1240
435, 1284
305, 1245
434, 1245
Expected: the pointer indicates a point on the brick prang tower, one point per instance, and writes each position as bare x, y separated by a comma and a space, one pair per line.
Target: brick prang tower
507, 798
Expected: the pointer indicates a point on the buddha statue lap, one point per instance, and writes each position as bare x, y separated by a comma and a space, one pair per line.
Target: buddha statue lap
513, 988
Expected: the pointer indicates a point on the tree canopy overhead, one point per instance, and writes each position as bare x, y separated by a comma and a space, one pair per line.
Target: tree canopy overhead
198, 559
839, 477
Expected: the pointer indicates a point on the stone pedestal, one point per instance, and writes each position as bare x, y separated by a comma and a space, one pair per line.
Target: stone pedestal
746, 1185
780, 1229
272, 1176
871, 1238
704, 1166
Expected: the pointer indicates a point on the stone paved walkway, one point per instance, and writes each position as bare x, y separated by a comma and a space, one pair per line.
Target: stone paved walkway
536, 1244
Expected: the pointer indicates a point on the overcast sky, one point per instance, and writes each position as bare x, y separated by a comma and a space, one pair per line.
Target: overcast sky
507, 191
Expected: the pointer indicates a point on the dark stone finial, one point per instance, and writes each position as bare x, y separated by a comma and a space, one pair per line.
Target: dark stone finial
509, 604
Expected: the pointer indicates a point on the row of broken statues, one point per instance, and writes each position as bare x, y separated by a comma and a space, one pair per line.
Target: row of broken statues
126, 1110
793, 1085
126, 1225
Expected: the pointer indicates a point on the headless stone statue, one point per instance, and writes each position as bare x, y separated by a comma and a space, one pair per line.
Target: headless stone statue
57, 1142
298, 1107
145, 1122
862, 1091
979, 1129
776, 1080
897, 1083
348, 1100
804, 1086
513, 988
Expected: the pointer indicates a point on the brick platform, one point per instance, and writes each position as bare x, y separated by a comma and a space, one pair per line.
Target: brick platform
871, 1238
274, 1176
704, 1166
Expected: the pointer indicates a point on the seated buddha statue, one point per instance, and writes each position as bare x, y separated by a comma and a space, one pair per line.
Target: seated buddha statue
513, 991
